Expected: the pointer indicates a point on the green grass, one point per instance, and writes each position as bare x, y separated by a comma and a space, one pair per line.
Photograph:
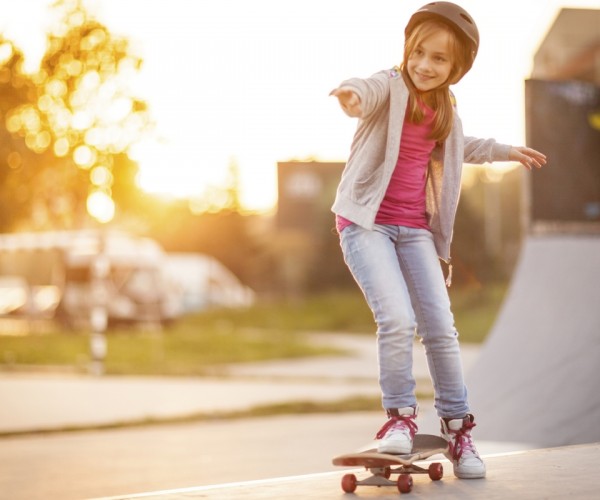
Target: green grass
475, 310
331, 312
189, 348
200, 342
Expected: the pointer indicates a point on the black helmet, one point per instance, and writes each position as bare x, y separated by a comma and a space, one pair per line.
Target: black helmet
454, 16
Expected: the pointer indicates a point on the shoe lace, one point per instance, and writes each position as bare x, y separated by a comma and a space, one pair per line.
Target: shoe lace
400, 422
463, 442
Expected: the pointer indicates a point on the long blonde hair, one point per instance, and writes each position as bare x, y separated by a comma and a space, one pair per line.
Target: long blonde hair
438, 98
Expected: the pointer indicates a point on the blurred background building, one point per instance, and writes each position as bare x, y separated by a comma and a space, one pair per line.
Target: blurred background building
563, 121
310, 258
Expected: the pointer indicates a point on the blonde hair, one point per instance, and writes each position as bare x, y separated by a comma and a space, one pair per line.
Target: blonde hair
438, 98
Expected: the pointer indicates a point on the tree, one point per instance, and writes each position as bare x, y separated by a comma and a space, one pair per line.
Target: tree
66, 129
16, 159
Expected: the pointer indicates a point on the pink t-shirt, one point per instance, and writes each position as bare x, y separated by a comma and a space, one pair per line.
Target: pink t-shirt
404, 200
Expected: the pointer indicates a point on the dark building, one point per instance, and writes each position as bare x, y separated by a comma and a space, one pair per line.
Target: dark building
563, 121
306, 191
311, 259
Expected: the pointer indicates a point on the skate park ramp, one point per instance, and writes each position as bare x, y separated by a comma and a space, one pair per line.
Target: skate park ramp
536, 380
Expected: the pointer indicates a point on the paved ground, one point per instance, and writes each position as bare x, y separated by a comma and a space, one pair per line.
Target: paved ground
74, 466
568, 472
202, 459
110, 462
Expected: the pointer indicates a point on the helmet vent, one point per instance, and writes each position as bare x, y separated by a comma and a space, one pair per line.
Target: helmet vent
466, 18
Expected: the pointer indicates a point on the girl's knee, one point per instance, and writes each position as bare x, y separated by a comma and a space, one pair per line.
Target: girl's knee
437, 328
443, 337
396, 324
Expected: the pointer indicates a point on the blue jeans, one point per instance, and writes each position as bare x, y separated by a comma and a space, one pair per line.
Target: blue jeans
399, 273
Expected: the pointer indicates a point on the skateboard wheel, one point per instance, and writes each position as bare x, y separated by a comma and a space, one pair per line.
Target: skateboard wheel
405, 483
436, 471
349, 483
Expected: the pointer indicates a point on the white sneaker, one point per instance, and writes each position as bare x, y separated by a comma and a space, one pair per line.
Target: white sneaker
397, 434
462, 452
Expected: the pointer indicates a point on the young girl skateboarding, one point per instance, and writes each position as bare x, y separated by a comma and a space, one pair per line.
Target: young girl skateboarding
395, 209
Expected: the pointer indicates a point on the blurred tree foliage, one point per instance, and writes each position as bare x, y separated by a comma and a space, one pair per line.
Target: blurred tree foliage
65, 129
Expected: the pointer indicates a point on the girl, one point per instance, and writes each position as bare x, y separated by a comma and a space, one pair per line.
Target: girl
395, 209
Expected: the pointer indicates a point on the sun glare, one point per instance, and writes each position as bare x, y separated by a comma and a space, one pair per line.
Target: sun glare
249, 82
171, 171
101, 206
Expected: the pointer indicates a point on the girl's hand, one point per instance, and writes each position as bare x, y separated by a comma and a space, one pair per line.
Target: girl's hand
528, 157
349, 101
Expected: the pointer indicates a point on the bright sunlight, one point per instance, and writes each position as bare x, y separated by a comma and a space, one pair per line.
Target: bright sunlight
250, 80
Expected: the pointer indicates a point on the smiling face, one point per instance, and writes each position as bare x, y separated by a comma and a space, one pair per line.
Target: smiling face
431, 60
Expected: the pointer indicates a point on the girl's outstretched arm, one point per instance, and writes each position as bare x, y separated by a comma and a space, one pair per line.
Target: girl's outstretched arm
528, 157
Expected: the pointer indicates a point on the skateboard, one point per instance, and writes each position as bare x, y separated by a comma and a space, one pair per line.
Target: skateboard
383, 465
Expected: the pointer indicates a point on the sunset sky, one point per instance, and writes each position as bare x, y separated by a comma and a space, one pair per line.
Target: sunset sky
248, 80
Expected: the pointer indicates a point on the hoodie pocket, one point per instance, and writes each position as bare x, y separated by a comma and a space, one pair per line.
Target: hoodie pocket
366, 187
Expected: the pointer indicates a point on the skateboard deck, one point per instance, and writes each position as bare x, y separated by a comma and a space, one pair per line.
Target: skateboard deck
383, 465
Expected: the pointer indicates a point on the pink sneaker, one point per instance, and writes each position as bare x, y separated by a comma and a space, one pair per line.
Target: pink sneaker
397, 435
462, 452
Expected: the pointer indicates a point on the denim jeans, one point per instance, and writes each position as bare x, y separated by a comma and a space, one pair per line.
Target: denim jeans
399, 273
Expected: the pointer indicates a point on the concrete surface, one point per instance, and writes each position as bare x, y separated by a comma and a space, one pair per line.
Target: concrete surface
536, 379
194, 457
78, 465
33, 402
568, 472
73, 466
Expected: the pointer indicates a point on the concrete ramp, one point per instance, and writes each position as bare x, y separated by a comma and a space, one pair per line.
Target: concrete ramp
557, 473
537, 378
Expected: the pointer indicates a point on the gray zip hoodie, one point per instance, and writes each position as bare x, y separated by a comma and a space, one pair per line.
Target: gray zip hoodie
374, 154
